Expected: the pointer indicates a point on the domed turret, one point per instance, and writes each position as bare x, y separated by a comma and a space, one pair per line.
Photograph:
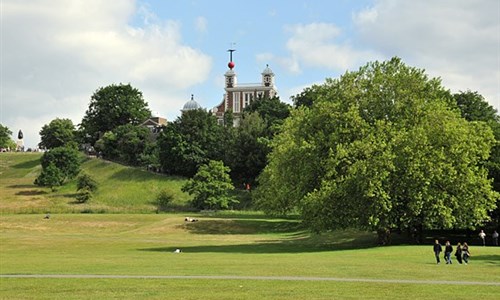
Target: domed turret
190, 105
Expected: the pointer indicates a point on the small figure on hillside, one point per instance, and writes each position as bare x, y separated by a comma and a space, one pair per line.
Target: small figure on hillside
458, 253
437, 250
47, 216
188, 219
495, 238
448, 249
177, 250
465, 253
482, 235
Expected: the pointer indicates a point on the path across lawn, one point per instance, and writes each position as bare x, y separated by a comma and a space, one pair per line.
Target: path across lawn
288, 278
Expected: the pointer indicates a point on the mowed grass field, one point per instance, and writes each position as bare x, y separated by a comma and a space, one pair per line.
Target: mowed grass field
253, 256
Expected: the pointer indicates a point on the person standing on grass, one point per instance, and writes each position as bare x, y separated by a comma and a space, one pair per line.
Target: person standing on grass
448, 249
482, 235
465, 253
437, 250
458, 253
495, 238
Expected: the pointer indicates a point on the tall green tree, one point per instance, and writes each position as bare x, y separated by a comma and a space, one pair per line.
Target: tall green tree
190, 141
126, 143
110, 107
474, 107
211, 187
58, 133
381, 148
5, 137
248, 148
65, 159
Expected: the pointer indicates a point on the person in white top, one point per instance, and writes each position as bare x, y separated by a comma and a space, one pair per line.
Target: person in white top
482, 235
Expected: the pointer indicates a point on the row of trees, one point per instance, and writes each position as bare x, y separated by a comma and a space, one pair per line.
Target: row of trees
382, 148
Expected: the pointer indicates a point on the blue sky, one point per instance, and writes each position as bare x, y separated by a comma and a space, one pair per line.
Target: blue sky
56, 53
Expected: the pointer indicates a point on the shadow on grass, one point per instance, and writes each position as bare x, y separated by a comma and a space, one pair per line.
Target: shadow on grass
27, 164
243, 226
21, 186
490, 259
31, 193
136, 174
301, 244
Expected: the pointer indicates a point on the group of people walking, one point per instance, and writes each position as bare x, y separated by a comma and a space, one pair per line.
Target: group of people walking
462, 252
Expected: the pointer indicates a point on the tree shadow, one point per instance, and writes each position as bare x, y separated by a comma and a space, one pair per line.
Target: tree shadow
242, 226
31, 193
27, 164
299, 244
21, 186
136, 174
490, 259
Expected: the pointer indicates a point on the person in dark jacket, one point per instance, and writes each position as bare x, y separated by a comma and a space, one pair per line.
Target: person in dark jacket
458, 253
437, 250
448, 249
465, 253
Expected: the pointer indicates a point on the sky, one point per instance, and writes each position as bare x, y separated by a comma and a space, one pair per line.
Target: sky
56, 53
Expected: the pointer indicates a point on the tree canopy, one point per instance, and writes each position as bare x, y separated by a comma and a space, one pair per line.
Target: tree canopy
5, 137
190, 141
57, 133
211, 186
110, 107
380, 148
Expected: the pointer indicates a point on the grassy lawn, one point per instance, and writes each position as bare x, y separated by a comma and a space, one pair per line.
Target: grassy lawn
121, 189
127, 238
221, 245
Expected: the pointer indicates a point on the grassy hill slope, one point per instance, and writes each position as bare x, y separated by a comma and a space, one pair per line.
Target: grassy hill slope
121, 189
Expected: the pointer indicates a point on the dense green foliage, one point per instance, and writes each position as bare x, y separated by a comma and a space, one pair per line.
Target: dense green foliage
190, 141
110, 107
474, 107
51, 176
58, 165
164, 198
128, 144
5, 139
381, 148
211, 186
58, 133
86, 181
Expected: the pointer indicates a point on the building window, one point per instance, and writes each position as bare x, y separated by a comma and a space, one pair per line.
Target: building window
248, 97
236, 102
260, 95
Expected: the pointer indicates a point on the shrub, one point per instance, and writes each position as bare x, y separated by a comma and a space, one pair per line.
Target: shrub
164, 198
84, 195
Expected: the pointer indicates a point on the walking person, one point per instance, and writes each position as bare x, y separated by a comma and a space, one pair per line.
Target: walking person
482, 235
448, 249
495, 238
465, 253
437, 250
458, 253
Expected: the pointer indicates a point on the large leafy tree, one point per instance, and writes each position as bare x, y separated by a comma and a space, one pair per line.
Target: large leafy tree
126, 143
58, 165
474, 107
381, 148
110, 107
190, 141
58, 133
271, 110
5, 137
211, 186
249, 147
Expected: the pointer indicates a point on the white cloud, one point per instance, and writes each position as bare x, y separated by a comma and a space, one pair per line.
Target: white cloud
201, 24
455, 40
56, 54
320, 45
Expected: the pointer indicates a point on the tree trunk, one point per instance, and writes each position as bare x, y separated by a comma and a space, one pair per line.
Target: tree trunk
384, 236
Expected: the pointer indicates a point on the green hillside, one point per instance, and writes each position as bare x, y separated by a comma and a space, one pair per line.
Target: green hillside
121, 189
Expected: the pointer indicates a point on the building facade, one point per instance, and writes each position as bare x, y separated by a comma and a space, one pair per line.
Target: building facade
238, 96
